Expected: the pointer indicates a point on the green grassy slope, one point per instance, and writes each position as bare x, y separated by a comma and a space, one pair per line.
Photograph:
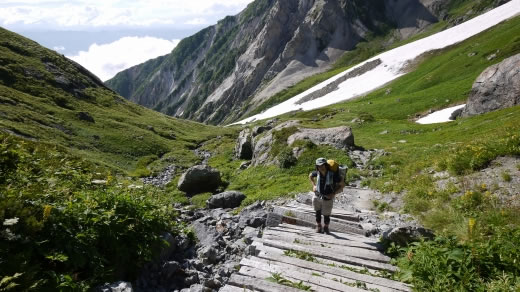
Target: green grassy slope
36, 105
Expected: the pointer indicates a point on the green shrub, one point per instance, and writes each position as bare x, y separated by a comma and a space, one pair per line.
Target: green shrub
286, 158
506, 176
445, 264
62, 232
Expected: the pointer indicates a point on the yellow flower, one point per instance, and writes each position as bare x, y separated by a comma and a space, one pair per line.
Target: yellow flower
46, 212
471, 225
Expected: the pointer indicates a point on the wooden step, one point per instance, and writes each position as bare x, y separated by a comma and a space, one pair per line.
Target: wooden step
329, 277
383, 284
336, 225
257, 266
341, 248
288, 211
336, 213
333, 255
258, 284
261, 249
333, 238
311, 231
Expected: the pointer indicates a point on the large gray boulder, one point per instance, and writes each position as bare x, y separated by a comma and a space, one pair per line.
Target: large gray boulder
199, 179
496, 88
229, 199
407, 234
244, 146
338, 137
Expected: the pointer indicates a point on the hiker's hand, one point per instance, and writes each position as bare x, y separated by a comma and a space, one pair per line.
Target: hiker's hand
313, 188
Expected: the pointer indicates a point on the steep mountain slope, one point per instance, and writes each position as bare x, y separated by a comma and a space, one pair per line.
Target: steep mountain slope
210, 75
385, 67
46, 97
229, 69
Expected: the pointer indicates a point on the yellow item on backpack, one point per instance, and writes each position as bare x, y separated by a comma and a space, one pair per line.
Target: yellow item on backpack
333, 165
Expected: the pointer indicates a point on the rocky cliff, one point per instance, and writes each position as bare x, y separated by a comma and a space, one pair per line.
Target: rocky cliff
228, 69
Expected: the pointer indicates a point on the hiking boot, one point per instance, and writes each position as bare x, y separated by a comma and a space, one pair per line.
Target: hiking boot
326, 229
318, 229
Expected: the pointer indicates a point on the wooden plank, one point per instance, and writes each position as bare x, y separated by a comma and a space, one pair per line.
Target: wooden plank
257, 284
229, 288
256, 272
267, 250
312, 234
334, 271
338, 213
317, 283
336, 275
321, 239
330, 255
310, 217
338, 234
337, 248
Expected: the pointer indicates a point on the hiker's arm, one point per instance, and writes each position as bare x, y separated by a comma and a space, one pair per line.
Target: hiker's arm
313, 182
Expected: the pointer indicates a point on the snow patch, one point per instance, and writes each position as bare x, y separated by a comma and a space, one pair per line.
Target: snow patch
393, 64
441, 116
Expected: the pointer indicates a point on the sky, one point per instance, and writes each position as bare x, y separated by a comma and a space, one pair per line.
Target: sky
107, 36
392, 66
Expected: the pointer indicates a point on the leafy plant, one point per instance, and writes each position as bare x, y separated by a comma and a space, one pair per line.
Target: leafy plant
506, 176
279, 279
302, 255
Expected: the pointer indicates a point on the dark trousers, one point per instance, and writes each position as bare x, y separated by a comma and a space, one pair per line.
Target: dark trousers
318, 218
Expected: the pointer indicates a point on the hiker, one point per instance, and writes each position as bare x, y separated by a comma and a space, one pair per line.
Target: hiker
328, 184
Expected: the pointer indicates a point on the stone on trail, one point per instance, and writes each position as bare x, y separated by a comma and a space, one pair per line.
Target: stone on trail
199, 179
229, 199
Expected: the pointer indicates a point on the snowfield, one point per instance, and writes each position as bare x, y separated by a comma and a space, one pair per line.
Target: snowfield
441, 116
392, 65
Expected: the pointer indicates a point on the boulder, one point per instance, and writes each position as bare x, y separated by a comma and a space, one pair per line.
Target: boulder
407, 234
253, 215
229, 199
244, 146
338, 137
496, 88
455, 114
85, 116
199, 179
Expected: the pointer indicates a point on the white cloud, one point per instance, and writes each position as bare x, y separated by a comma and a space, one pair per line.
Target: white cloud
59, 48
106, 60
91, 13
196, 21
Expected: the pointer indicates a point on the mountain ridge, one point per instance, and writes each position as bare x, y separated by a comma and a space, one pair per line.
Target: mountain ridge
229, 69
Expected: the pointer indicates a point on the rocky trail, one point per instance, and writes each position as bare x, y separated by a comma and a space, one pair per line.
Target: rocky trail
344, 260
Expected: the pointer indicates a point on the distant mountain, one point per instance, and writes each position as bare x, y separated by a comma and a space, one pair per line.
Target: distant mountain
229, 69
49, 98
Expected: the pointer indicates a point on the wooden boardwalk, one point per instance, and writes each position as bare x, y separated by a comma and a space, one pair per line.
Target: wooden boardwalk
340, 261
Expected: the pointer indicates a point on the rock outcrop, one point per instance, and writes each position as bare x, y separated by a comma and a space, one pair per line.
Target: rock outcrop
228, 69
199, 179
338, 137
228, 199
496, 88
406, 234
244, 147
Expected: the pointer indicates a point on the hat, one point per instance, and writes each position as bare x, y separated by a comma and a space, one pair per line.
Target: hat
321, 161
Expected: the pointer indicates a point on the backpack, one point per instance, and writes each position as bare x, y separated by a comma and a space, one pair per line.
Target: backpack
334, 166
